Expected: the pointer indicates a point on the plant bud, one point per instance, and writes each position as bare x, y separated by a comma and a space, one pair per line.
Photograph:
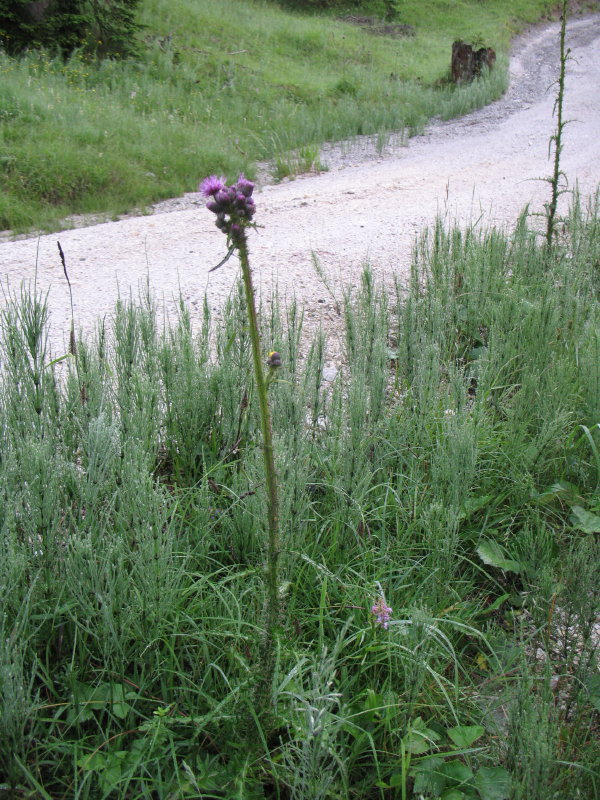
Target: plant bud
245, 186
274, 359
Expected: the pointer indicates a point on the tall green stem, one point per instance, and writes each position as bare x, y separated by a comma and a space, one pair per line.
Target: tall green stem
557, 137
272, 581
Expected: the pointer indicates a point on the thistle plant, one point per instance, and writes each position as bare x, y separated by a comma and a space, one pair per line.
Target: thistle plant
556, 140
234, 208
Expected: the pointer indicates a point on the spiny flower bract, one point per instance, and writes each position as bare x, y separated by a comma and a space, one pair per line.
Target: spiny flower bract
211, 185
233, 205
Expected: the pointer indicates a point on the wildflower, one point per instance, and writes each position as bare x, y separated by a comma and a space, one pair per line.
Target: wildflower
233, 206
211, 185
245, 186
382, 613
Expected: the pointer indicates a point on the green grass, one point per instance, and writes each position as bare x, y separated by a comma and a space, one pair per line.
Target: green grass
452, 466
218, 88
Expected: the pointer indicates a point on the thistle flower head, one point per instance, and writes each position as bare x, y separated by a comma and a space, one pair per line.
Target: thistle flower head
233, 205
245, 186
382, 612
211, 185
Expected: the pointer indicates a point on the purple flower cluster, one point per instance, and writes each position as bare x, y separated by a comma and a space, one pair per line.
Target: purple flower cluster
233, 204
382, 613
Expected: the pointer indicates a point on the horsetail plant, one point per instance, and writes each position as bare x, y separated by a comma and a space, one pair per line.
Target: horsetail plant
234, 208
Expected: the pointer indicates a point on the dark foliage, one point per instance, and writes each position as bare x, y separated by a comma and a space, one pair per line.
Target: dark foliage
99, 27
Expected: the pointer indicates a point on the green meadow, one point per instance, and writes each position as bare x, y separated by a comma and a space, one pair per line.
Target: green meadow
437, 585
219, 87
450, 471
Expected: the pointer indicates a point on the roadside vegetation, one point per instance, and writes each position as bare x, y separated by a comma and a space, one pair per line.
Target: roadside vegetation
217, 87
439, 517
224, 580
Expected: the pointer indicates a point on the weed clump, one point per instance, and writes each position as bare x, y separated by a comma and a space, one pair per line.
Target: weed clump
449, 472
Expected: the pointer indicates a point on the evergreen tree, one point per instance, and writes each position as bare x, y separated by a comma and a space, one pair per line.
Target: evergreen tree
99, 27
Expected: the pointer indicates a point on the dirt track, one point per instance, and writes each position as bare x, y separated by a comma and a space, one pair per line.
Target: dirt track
484, 167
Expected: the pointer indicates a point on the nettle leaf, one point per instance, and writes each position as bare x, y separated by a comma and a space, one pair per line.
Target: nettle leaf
96, 761
494, 555
120, 707
88, 699
429, 779
416, 745
492, 783
454, 794
465, 735
584, 520
420, 738
562, 490
456, 771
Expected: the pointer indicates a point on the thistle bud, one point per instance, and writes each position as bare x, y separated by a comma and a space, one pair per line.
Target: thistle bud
245, 186
233, 206
274, 359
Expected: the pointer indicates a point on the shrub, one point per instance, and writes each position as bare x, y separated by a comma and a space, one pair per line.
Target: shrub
99, 28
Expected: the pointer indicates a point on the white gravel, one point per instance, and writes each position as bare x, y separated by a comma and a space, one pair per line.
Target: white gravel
482, 168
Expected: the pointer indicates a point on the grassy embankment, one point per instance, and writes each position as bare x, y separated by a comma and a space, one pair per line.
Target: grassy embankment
218, 87
452, 468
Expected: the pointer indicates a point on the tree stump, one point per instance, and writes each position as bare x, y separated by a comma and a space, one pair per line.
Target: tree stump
468, 63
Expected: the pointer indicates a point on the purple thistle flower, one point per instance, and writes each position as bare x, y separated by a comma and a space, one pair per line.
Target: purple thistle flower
245, 186
382, 613
211, 185
233, 206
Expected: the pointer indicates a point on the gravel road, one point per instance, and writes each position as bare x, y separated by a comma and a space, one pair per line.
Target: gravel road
482, 168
